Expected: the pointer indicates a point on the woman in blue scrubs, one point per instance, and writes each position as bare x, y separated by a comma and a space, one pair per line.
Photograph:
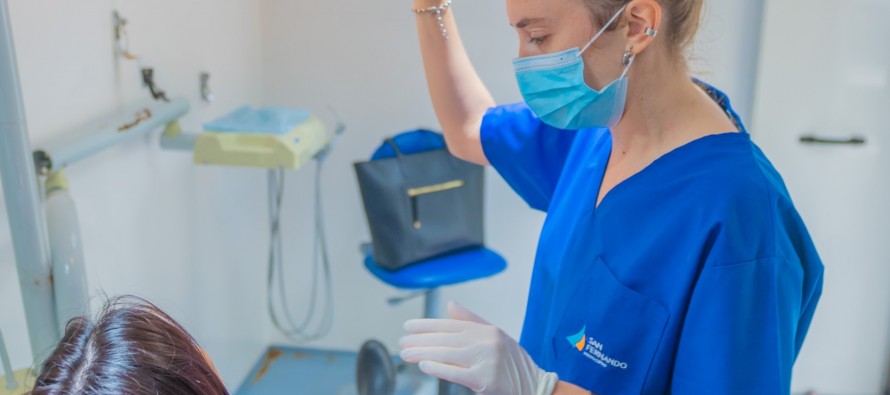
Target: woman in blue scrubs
672, 259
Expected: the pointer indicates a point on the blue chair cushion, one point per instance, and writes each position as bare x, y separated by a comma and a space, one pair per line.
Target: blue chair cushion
412, 142
449, 269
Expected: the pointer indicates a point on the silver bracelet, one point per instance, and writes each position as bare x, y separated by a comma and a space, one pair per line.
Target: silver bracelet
437, 11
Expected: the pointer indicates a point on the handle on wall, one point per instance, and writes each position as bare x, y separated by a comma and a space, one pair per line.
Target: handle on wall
813, 139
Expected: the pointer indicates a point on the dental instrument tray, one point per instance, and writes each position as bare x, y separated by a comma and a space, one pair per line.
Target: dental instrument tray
271, 137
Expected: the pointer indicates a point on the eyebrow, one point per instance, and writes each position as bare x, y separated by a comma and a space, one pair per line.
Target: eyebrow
528, 21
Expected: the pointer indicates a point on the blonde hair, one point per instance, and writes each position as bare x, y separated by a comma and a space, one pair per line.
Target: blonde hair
681, 19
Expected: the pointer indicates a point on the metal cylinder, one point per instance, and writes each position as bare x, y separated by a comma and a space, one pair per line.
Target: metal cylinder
23, 201
431, 303
69, 272
174, 139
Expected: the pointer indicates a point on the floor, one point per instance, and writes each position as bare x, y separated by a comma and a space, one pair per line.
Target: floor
288, 370
23, 378
297, 371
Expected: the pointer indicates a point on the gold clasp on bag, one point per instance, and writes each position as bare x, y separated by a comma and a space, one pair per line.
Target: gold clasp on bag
413, 193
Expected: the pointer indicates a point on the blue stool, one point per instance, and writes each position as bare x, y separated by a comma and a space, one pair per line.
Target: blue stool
427, 277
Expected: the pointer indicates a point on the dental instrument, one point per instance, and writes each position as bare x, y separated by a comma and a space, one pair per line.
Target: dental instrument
130, 124
277, 139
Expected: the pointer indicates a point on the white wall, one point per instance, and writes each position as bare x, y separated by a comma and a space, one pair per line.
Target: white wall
726, 50
188, 238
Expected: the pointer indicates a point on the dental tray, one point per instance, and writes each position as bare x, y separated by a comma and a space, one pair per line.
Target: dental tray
264, 138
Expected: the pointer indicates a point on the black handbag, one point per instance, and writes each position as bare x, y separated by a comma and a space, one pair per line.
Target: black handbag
421, 205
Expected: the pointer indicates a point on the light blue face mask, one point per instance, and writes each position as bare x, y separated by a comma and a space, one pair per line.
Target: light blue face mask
553, 87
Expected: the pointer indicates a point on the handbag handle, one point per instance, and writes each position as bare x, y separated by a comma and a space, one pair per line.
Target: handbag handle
395, 147
400, 157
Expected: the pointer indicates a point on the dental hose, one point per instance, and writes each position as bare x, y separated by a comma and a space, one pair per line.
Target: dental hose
306, 330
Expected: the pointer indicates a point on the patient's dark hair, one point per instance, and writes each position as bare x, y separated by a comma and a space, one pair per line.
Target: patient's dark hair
131, 348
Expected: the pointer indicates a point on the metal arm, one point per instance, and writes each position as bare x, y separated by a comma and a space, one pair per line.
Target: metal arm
137, 122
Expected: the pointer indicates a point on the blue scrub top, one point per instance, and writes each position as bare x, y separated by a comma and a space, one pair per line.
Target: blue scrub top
694, 276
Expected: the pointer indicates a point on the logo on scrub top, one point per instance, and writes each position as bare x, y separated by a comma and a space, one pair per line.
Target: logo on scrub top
594, 350
579, 340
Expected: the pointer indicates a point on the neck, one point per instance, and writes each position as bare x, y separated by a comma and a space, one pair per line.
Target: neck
663, 105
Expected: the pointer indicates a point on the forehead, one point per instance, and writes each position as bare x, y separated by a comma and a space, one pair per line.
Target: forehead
542, 10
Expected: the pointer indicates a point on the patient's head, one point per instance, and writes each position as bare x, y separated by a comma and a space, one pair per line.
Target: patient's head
131, 348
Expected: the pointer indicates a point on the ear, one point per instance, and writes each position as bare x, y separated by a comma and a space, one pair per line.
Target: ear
643, 16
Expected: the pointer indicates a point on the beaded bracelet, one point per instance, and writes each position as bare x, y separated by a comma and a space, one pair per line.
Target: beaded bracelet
437, 11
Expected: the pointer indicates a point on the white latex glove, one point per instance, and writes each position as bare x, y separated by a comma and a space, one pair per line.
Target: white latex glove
469, 351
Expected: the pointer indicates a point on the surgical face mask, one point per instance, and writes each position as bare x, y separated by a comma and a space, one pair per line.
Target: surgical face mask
553, 87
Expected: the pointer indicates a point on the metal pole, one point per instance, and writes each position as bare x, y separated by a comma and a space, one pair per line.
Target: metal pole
431, 303
174, 139
887, 386
23, 203
7, 366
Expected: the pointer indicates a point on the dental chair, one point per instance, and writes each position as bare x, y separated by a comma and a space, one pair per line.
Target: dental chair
424, 279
